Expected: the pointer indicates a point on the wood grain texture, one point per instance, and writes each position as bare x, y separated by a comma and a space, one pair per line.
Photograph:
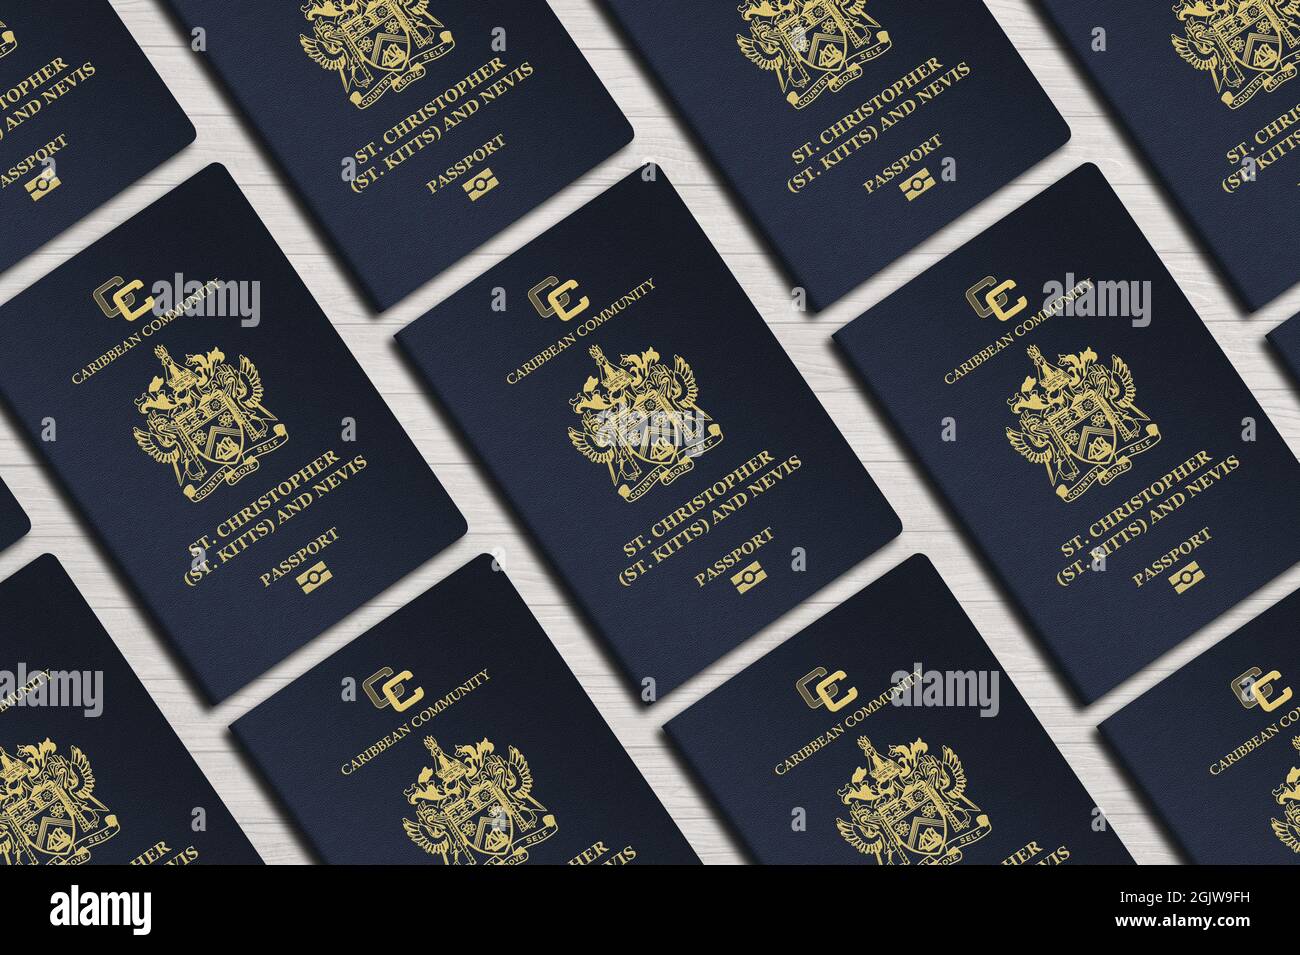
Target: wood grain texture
223, 137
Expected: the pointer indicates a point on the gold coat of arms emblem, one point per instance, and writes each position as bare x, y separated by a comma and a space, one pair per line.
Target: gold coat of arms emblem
1078, 419
641, 420
910, 808
1287, 829
811, 45
48, 811
476, 808
206, 419
374, 45
1245, 45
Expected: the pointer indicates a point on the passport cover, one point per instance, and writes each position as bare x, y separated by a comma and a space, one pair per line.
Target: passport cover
414, 130
217, 434
1214, 747
646, 424
887, 734
1092, 437
13, 520
1204, 90
851, 130
82, 116
1286, 340
92, 771
453, 733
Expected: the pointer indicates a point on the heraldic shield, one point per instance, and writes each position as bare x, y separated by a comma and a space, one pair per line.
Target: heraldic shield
641, 421
811, 45
476, 808
48, 812
1287, 829
374, 45
1078, 420
1245, 45
206, 419
910, 808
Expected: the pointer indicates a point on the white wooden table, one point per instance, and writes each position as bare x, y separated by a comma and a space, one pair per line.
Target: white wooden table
660, 137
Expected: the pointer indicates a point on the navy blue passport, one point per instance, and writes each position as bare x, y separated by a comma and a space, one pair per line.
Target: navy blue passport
1087, 430
82, 116
851, 130
887, 734
646, 424
92, 771
14, 523
453, 733
1286, 340
1205, 91
217, 434
1216, 746
415, 130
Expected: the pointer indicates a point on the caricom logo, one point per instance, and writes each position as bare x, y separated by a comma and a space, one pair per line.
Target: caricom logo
392, 690
1254, 688
989, 297
820, 688
117, 297
558, 299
